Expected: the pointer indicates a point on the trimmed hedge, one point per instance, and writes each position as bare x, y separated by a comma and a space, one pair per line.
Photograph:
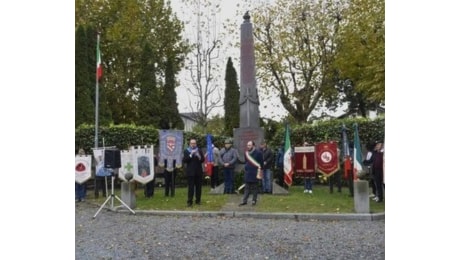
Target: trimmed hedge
369, 131
123, 136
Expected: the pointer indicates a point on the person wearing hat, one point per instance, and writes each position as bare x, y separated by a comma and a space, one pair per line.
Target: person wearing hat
376, 162
228, 157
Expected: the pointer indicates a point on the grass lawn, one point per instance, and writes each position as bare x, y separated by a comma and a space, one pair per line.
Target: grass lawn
320, 201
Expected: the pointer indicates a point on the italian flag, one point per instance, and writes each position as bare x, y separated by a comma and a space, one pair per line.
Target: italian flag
288, 171
357, 155
98, 61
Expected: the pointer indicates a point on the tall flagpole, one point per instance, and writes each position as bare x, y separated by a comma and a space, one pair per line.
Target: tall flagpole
96, 124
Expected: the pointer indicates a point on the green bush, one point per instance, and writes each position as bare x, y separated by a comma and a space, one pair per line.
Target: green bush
123, 136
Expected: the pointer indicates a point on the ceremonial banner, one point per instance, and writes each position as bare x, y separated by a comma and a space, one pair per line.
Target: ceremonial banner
98, 154
209, 156
126, 164
82, 168
304, 165
327, 159
346, 156
143, 163
171, 143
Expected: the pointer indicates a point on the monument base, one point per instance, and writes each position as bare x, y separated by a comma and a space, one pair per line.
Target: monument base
278, 190
242, 135
127, 194
361, 196
218, 190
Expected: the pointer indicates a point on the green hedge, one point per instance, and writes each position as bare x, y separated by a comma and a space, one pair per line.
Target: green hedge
123, 136
369, 131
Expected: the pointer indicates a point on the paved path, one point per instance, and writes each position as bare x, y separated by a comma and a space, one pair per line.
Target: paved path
216, 235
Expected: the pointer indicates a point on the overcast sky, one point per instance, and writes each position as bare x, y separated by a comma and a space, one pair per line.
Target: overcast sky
233, 10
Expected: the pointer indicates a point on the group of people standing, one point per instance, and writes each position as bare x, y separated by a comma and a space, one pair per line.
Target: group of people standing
257, 169
258, 162
193, 158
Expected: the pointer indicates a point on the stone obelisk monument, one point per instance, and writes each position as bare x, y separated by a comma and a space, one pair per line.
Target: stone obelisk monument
249, 99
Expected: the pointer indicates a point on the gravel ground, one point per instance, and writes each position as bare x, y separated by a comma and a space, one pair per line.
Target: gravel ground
121, 235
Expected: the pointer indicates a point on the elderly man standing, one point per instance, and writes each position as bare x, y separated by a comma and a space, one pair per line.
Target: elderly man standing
228, 157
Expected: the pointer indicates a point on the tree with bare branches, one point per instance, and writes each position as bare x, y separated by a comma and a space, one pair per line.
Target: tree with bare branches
203, 63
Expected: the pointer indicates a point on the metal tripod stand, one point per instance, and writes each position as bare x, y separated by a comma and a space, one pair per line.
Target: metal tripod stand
111, 197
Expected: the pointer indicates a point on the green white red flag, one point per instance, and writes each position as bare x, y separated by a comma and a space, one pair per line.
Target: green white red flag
98, 61
357, 155
288, 169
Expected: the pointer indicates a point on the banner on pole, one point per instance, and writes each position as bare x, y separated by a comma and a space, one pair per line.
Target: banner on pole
143, 164
98, 154
327, 159
171, 143
126, 159
82, 168
304, 164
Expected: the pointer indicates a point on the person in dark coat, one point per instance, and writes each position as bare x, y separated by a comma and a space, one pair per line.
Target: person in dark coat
228, 156
149, 188
267, 167
376, 162
194, 158
279, 166
170, 179
254, 162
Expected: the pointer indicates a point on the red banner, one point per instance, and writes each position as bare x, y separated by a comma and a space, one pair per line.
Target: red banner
304, 161
327, 159
207, 166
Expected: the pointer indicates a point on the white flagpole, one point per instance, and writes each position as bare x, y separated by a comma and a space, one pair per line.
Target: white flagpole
96, 124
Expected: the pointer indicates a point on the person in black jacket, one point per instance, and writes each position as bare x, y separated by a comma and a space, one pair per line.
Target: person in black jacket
254, 162
366, 162
376, 162
170, 179
267, 167
194, 158
149, 188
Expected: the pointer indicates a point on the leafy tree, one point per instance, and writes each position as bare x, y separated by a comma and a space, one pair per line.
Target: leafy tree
361, 50
170, 112
125, 26
295, 49
84, 108
149, 96
232, 95
356, 100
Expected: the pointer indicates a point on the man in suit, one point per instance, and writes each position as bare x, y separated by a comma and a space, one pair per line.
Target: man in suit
194, 158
